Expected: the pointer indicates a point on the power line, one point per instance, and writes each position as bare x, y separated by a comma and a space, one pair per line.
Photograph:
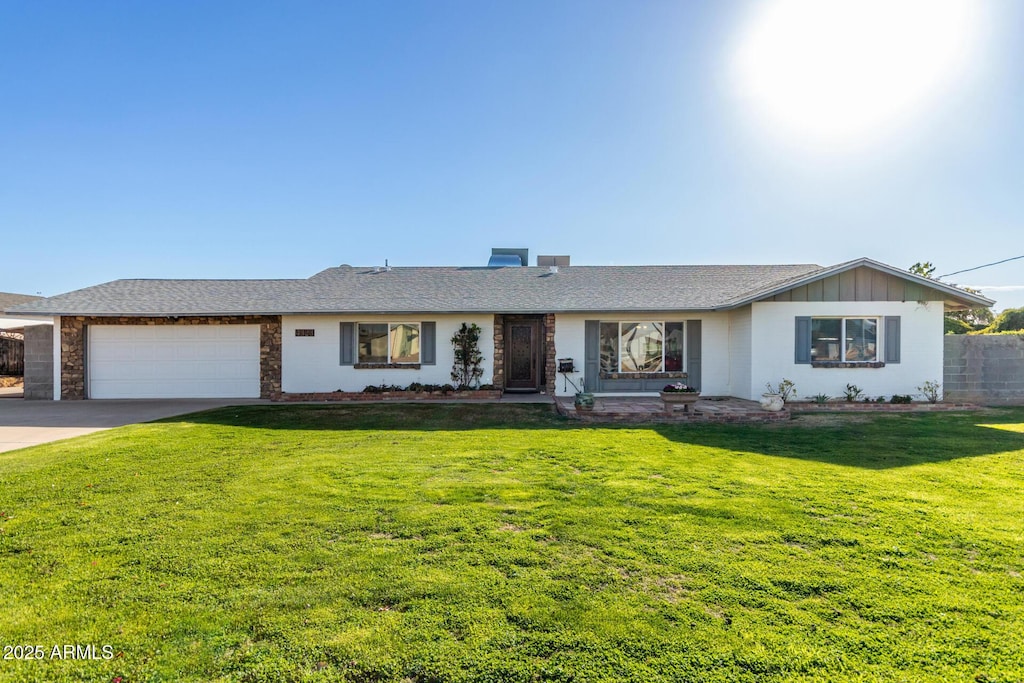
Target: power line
967, 270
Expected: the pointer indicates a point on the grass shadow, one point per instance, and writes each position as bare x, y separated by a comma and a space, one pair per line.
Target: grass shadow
870, 442
431, 417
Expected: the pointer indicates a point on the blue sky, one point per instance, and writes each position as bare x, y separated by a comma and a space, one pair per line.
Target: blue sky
266, 140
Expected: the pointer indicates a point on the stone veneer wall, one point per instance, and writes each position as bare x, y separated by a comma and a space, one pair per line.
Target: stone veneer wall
498, 372
549, 353
72, 346
983, 368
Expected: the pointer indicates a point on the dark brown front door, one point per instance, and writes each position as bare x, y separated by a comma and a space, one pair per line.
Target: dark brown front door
522, 355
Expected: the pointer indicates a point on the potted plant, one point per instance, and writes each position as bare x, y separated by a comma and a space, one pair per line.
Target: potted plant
775, 398
679, 394
584, 400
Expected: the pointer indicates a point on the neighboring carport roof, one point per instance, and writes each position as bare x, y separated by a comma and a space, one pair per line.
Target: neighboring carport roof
401, 290
8, 300
164, 298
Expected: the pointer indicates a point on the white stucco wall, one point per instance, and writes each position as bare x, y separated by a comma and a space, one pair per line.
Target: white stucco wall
714, 353
313, 364
773, 343
739, 352
569, 343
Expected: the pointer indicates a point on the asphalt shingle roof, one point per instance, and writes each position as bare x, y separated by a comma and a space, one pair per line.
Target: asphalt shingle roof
431, 290
346, 289
7, 299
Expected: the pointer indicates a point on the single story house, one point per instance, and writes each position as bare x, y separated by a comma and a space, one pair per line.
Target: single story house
728, 329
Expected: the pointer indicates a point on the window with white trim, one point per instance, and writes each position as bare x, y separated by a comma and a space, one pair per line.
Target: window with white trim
644, 346
844, 340
388, 342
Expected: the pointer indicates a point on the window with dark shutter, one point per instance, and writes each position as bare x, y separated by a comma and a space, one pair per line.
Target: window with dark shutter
803, 340
892, 339
348, 347
846, 342
428, 343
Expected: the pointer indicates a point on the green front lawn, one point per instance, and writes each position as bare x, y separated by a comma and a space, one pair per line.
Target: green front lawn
501, 543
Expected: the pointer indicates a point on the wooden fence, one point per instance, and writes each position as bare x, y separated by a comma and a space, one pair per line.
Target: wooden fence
12, 356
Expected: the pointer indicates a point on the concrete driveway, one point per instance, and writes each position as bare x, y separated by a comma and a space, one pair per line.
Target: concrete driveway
27, 423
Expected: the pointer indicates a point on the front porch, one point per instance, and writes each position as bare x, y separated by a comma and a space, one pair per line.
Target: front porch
641, 409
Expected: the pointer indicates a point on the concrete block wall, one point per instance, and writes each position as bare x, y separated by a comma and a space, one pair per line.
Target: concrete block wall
985, 369
39, 362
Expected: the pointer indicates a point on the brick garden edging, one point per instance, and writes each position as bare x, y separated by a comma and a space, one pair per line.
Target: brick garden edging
677, 418
358, 396
877, 407
565, 407
646, 411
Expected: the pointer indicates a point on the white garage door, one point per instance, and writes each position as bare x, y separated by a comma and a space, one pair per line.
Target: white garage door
174, 361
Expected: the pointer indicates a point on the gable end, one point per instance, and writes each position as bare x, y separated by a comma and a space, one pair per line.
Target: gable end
859, 284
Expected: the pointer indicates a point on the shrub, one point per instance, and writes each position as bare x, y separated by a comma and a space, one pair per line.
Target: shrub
956, 326
466, 370
381, 388
1010, 320
930, 390
852, 393
785, 389
900, 398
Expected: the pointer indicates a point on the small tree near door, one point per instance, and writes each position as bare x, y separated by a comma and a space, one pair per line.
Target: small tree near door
466, 371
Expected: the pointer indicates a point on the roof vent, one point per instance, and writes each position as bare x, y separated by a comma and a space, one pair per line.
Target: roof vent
508, 257
556, 261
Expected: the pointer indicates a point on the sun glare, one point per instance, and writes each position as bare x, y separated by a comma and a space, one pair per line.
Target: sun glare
836, 73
